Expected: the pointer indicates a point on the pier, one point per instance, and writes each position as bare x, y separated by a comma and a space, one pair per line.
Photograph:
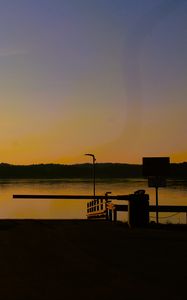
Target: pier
105, 206
100, 206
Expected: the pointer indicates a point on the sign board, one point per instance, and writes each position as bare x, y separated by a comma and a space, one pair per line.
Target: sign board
156, 182
156, 166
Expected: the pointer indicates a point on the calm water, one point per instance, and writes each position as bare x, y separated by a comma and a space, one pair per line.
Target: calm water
174, 194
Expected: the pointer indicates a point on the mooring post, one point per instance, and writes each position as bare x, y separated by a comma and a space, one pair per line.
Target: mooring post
110, 215
114, 214
106, 206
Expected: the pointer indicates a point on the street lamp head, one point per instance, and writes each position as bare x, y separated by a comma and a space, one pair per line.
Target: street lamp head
89, 154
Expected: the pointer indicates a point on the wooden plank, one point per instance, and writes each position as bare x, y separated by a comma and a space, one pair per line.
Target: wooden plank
83, 197
96, 215
121, 207
73, 197
168, 208
161, 208
152, 208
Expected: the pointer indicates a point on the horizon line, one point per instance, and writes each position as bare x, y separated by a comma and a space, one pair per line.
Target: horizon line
86, 163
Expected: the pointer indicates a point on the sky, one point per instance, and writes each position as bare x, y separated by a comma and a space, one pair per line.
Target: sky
107, 77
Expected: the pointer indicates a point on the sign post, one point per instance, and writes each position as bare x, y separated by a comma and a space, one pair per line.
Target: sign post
156, 169
157, 220
156, 182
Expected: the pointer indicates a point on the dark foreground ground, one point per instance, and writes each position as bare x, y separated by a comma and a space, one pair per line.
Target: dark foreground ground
91, 260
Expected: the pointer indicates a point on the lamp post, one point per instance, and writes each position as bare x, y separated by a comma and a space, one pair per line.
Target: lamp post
94, 160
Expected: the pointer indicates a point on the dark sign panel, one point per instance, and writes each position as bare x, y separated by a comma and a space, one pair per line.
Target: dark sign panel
156, 166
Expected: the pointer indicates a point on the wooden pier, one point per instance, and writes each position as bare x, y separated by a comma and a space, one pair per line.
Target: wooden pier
102, 207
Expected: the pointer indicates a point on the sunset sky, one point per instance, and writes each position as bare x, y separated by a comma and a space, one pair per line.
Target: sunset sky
107, 77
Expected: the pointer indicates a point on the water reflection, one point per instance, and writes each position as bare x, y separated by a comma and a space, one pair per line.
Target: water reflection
174, 194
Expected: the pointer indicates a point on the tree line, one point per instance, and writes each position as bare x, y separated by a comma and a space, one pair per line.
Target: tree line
102, 170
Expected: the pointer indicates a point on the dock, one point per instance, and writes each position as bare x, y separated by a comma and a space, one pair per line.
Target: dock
104, 207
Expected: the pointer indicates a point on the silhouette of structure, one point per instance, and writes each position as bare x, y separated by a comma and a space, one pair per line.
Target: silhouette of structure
102, 207
94, 160
156, 169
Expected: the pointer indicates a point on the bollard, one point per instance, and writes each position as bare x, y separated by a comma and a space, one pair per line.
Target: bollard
110, 215
138, 209
114, 214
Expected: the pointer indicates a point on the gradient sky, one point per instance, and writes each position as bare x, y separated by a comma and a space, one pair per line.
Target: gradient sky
102, 76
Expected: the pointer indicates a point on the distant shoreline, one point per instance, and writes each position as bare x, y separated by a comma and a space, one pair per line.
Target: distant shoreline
103, 170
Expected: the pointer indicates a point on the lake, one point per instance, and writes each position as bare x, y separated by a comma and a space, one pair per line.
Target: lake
174, 194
